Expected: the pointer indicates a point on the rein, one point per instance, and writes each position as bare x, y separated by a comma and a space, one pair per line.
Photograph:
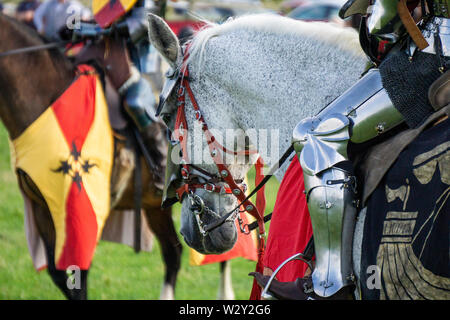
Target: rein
56, 44
35, 48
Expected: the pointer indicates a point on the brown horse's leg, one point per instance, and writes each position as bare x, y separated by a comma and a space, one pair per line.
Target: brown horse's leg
161, 223
45, 226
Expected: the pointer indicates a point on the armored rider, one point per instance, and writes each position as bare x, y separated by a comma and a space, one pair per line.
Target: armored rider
409, 57
130, 61
137, 90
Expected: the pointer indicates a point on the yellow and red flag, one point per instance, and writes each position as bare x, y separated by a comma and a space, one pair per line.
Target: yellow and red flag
68, 153
108, 11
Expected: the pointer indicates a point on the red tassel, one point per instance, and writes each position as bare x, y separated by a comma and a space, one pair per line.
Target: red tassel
260, 206
256, 289
260, 195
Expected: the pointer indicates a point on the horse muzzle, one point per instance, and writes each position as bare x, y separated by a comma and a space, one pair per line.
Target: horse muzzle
194, 216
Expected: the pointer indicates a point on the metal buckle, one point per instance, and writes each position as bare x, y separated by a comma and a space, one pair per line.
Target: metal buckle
213, 187
181, 91
242, 226
197, 208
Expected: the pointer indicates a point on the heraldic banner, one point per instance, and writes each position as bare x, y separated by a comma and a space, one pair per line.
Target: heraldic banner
68, 153
108, 11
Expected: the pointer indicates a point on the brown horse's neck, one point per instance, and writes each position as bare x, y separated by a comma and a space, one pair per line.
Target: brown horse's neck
29, 82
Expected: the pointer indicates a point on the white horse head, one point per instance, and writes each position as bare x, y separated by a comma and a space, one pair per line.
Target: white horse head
255, 77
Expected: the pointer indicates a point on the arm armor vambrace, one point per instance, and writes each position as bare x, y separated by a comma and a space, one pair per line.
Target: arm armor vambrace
358, 115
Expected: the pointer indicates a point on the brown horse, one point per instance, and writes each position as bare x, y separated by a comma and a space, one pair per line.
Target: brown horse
29, 83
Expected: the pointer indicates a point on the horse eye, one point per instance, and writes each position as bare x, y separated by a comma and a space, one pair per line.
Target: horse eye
166, 117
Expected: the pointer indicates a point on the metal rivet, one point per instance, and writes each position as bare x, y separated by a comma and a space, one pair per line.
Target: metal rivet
214, 153
224, 173
249, 207
236, 191
325, 205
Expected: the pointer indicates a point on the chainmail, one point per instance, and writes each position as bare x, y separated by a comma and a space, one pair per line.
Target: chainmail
407, 83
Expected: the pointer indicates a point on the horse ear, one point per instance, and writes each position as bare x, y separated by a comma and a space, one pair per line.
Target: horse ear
164, 40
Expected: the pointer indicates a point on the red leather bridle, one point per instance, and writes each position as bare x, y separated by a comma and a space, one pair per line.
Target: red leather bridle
190, 178
191, 173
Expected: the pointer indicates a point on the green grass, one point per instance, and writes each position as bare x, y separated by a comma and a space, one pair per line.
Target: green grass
116, 272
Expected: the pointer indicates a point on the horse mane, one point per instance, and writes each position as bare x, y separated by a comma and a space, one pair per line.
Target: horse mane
345, 39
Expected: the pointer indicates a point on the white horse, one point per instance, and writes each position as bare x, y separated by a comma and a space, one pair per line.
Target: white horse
260, 72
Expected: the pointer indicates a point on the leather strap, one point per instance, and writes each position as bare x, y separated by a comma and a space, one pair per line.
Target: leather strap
410, 25
206, 186
35, 48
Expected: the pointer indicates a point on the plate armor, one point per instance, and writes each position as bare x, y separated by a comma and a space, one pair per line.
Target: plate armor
360, 114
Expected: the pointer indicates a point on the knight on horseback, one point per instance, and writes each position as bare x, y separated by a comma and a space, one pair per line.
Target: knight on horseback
129, 61
408, 58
